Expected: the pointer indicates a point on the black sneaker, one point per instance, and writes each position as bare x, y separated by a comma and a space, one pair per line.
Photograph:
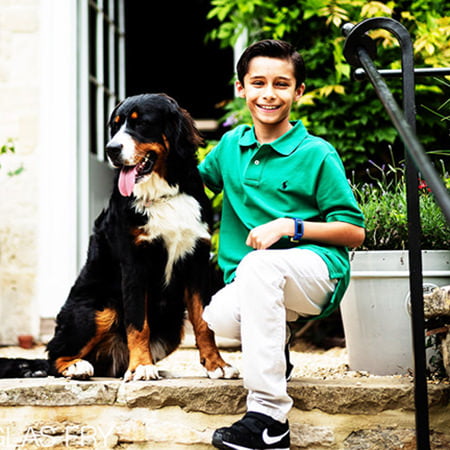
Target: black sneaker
253, 431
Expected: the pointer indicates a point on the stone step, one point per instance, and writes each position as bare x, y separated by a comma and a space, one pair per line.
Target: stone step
182, 413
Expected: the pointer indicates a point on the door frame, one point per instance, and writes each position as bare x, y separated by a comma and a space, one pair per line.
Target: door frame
57, 155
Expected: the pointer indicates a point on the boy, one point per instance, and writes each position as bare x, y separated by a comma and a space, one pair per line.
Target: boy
288, 215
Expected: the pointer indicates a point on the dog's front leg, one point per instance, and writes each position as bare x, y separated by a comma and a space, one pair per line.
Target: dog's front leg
140, 366
210, 357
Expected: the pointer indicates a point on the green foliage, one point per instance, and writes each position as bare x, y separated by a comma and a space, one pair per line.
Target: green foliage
255, 17
345, 112
216, 202
9, 147
383, 203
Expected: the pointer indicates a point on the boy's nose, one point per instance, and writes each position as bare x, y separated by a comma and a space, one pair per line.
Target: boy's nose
269, 92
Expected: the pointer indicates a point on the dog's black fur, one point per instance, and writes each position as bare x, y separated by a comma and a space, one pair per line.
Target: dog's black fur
148, 259
23, 368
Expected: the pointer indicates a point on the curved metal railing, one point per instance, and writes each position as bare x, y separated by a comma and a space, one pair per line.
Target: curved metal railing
359, 50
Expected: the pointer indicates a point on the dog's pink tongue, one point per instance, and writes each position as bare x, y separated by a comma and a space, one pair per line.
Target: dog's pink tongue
127, 178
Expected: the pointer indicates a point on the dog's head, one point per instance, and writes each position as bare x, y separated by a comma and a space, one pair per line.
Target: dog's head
150, 133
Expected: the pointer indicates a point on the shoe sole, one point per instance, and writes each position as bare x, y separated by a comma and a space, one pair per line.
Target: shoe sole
224, 446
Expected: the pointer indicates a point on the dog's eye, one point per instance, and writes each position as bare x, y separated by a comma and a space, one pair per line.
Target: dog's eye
134, 115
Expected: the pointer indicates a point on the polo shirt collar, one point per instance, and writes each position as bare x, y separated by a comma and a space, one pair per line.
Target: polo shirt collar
284, 145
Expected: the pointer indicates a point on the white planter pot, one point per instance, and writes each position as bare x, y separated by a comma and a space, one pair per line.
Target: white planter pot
375, 309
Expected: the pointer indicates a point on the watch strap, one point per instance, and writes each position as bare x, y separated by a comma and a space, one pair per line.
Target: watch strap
298, 230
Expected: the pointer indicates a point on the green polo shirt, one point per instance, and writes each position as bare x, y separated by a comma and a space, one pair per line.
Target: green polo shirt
298, 175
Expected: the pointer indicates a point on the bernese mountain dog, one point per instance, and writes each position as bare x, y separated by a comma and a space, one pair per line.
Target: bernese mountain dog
148, 259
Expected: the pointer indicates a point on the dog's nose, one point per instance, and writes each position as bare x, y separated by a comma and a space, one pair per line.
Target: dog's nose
113, 150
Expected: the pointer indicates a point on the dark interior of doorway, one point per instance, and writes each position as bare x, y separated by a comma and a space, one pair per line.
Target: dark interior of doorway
166, 52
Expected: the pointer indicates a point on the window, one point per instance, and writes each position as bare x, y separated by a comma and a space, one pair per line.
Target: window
106, 61
100, 86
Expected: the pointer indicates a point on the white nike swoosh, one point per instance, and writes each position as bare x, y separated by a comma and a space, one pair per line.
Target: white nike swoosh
269, 440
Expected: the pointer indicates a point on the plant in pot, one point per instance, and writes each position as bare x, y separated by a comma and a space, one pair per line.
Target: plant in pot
375, 309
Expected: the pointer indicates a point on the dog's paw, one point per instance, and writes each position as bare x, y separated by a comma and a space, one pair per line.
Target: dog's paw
81, 370
227, 372
142, 372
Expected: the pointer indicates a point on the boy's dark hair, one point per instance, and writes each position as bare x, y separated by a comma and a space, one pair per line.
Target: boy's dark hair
272, 49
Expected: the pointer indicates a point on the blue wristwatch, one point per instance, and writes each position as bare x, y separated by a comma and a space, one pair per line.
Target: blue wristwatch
298, 230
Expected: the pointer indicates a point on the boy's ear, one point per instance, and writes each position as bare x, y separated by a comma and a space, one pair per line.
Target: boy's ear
240, 89
299, 91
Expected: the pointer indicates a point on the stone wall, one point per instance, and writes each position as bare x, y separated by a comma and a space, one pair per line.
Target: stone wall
19, 120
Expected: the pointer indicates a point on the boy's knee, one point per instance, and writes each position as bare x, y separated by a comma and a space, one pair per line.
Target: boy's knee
259, 265
225, 325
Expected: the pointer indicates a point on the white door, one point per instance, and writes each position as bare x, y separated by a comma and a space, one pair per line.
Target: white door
83, 77
101, 87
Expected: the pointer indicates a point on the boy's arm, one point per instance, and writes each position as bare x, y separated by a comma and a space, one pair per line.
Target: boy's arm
334, 233
337, 205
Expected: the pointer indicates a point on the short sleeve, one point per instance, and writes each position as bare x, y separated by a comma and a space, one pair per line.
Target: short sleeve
334, 195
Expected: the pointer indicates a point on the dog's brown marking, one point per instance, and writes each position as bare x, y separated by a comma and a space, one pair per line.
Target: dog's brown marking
142, 148
166, 142
134, 115
138, 234
204, 337
117, 119
139, 347
139, 344
61, 364
104, 321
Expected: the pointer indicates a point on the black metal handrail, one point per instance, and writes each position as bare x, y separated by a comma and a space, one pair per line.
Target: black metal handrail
360, 74
359, 50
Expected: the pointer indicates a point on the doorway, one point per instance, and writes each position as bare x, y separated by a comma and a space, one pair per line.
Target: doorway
166, 52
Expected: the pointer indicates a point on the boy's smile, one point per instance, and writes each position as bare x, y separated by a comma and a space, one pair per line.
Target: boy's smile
270, 89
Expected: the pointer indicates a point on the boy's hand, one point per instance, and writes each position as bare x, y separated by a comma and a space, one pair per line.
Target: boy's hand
264, 236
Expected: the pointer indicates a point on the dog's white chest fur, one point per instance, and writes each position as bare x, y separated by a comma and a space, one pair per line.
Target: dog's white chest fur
173, 216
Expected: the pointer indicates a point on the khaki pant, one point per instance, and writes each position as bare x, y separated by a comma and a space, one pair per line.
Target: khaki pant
271, 287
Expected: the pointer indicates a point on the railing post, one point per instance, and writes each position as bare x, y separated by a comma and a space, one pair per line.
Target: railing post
358, 50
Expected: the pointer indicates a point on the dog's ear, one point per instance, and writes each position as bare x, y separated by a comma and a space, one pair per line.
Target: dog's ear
180, 130
189, 130
183, 140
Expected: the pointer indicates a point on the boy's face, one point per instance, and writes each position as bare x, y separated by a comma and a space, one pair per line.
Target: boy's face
269, 90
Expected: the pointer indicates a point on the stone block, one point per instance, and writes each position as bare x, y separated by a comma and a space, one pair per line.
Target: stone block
437, 303
208, 396
309, 436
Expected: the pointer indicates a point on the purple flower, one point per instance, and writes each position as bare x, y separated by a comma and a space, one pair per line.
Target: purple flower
230, 120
